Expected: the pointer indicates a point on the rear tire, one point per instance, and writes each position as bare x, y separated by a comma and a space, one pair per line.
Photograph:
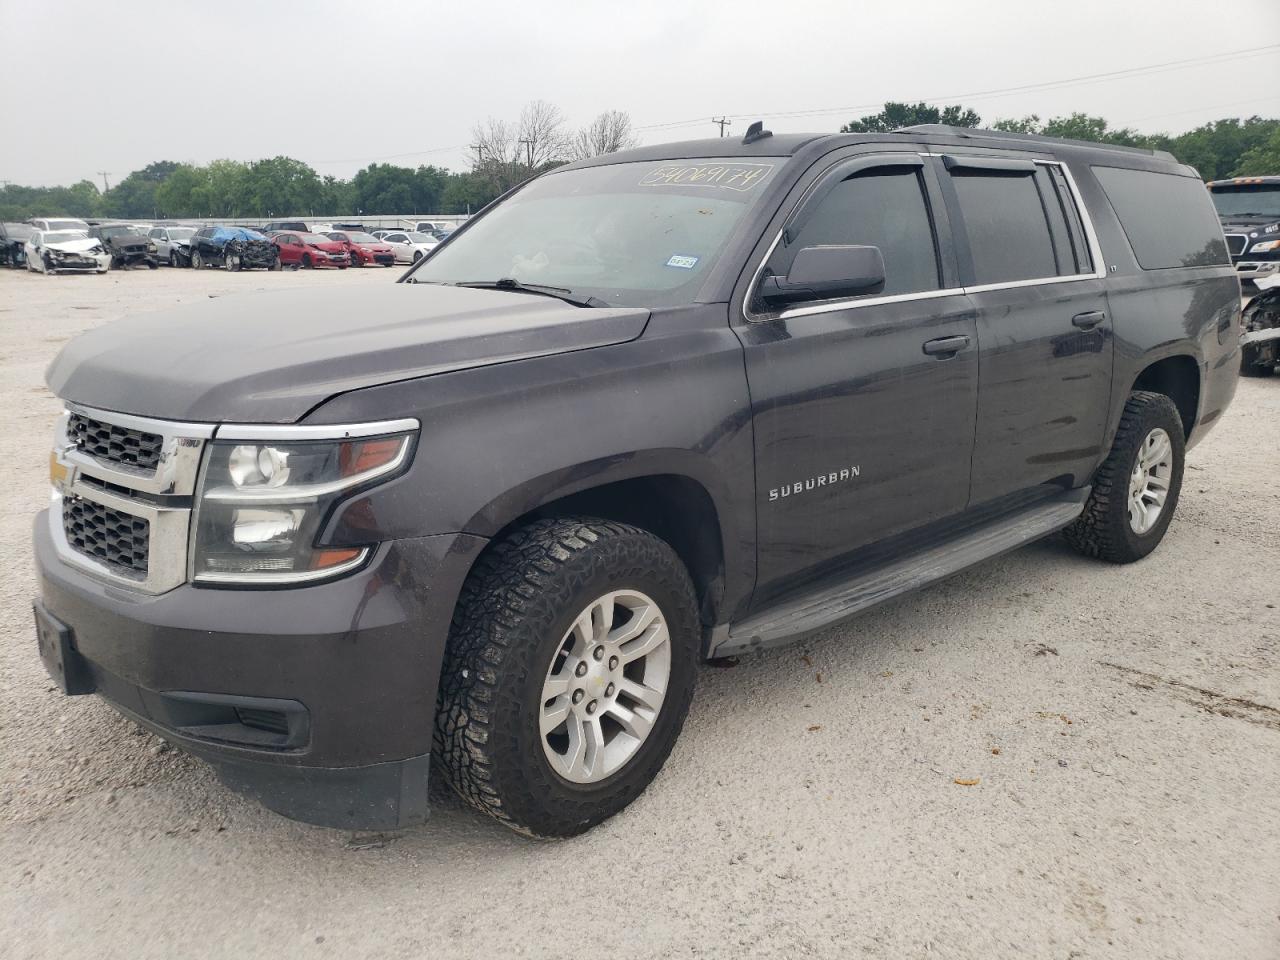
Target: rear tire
519, 628
1111, 527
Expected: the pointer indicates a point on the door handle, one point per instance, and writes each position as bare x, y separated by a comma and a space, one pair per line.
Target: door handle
946, 347
1087, 321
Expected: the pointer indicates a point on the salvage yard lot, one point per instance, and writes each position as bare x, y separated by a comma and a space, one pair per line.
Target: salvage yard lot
1045, 756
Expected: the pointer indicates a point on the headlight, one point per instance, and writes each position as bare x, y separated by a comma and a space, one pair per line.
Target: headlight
151, 248
1265, 246
262, 505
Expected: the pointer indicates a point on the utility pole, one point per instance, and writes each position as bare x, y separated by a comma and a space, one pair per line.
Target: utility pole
528, 149
723, 122
103, 174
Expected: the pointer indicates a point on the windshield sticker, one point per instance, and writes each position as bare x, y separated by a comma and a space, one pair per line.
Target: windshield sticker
730, 176
683, 261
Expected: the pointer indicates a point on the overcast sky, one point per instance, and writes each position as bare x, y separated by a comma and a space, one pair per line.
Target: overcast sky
93, 86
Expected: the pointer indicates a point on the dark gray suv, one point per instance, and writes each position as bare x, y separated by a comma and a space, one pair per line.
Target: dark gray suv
676, 403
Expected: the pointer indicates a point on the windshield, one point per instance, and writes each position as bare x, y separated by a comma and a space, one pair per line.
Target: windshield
64, 236
420, 238
66, 225
314, 238
119, 231
1261, 200
361, 238
182, 233
630, 234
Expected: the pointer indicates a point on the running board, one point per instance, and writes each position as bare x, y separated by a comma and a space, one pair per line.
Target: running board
835, 602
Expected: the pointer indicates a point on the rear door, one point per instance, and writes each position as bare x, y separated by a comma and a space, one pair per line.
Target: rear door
1030, 265
863, 425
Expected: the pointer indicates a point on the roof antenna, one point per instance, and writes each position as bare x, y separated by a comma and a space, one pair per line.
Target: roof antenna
756, 132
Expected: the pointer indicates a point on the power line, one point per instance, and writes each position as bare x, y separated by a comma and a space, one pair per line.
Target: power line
727, 119
1001, 91
1178, 113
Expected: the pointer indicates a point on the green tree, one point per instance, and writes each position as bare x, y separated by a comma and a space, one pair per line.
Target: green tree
135, 195
895, 116
180, 194
1217, 149
1262, 160
279, 187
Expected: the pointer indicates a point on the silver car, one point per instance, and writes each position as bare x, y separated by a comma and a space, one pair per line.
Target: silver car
173, 244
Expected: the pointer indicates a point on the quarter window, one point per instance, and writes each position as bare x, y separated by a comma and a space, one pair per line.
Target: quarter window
1169, 220
1006, 225
882, 207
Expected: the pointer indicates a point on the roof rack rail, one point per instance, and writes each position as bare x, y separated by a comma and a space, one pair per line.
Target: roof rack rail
977, 133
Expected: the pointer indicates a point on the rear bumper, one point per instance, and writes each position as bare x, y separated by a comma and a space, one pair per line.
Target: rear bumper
344, 673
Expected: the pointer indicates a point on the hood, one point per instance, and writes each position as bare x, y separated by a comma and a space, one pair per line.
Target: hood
272, 357
1236, 223
333, 246
83, 245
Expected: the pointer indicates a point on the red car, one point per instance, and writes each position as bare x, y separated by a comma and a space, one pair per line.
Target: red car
363, 249
309, 250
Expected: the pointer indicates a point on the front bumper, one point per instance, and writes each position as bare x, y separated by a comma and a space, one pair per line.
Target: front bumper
1256, 269
79, 261
351, 666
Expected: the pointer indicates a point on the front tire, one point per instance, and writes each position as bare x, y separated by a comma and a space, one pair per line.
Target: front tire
568, 674
197, 261
1135, 491
306, 261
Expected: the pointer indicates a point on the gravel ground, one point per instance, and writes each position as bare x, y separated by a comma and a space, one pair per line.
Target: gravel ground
1121, 726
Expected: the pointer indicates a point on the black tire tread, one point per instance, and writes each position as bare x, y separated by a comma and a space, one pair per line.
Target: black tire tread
518, 579
1098, 531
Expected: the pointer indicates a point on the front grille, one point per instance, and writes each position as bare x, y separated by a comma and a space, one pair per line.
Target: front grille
115, 444
109, 536
1236, 243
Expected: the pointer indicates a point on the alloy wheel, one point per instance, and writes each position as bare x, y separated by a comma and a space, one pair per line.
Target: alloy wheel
605, 687
1149, 480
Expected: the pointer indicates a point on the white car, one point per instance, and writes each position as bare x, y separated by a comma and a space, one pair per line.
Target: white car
52, 251
410, 247
58, 223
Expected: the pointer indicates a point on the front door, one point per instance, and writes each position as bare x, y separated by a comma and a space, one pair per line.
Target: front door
1030, 267
863, 407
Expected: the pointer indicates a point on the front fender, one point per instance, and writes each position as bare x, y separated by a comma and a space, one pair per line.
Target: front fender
503, 440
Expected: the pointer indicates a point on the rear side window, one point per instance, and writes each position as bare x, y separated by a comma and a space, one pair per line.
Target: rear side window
883, 207
1169, 220
1007, 226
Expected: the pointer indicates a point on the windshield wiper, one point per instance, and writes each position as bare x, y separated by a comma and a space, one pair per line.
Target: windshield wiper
560, 293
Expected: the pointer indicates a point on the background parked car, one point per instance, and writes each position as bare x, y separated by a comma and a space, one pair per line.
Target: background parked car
410, 247
13, 241
297, 226
55, 251
126, 244
173, 245
58, 223
236, 248
309, 250
363, 248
